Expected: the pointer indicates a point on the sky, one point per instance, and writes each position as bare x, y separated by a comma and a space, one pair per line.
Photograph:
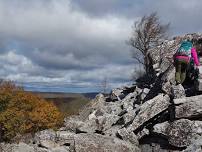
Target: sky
76, 45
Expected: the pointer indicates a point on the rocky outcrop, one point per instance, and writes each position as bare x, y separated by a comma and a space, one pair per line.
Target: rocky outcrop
149, 110
196, 146
190, 107
158, 117
180, 133
99, 143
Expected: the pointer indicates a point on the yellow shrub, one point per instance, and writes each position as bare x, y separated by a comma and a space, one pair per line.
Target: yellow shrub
22, 112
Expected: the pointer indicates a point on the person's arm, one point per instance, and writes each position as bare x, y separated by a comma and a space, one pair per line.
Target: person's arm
195, 56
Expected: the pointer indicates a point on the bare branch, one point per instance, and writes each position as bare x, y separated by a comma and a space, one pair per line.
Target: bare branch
147, 33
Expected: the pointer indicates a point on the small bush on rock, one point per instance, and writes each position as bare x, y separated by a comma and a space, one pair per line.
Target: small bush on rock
22, 112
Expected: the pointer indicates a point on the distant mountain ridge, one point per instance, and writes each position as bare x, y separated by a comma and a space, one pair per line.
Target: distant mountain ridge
91, 95
47, 95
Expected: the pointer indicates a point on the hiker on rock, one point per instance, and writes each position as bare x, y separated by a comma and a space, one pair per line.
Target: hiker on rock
182, 58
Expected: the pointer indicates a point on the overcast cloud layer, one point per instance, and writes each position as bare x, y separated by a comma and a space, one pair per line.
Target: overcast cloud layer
73, 45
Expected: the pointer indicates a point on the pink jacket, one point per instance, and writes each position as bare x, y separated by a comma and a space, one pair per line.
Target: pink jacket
194, 56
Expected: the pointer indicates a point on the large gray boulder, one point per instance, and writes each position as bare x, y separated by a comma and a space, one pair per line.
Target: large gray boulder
144, 93
129, 100
116, 94
162, 54
90, 126
189, 107
65, 138
178, 91
60, 149
168, 80
21, 147
112, 131
149, 110
100, 123
99, 143
128, 136
113, 108
109, 108
107, 121
50, 139
46, 138
196, 146
180, 133
129, 116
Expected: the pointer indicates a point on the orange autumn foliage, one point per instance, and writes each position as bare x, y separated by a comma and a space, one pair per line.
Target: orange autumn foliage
22, 112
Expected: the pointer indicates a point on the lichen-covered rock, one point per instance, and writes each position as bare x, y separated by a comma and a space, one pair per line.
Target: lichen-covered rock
116, 94
169, 75
65, 138
45, 135
89, 126
180, 133
144, 93
149, 110
162, 54
113, 108
107, 121
189, 107
128, 101
196, 146
100, 123
128, 136
49, 139
112, 131
46, 138
129, 116
48, 144
99, 143
166, 88
178, 91
21, 147
60, 149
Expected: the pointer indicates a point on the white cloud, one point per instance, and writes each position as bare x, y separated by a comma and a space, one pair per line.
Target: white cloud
55, 28
59, 23
20, 69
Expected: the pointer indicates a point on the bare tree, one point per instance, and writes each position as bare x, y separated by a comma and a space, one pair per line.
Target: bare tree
148, 33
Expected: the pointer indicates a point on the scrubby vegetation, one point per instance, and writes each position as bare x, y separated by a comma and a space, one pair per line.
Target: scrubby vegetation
22, 112
70, 106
